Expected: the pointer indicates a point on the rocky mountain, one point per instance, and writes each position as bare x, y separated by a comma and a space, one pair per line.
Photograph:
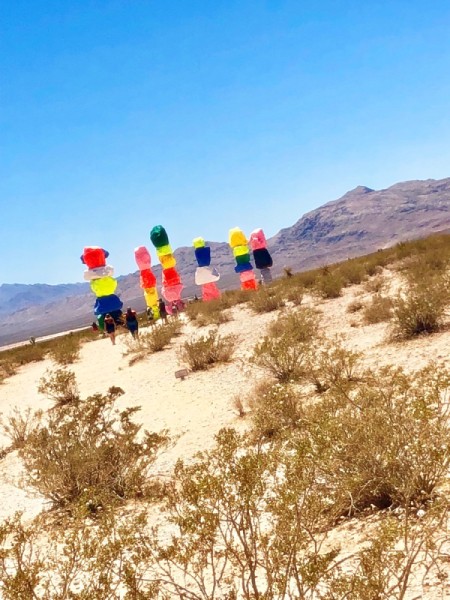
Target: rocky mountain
360, 222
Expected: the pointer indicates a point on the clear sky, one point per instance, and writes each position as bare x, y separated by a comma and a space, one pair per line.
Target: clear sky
201, 115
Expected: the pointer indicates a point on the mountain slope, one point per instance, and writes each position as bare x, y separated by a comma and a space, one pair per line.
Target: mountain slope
360, 222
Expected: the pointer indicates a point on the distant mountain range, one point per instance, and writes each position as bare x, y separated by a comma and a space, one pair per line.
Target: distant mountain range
360, 222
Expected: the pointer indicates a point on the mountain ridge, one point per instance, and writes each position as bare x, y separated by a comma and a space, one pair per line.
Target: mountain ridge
359, 222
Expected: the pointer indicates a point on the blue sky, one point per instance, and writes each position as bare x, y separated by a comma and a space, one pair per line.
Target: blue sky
117, 115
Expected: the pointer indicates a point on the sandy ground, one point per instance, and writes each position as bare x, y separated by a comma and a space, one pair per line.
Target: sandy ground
195, 409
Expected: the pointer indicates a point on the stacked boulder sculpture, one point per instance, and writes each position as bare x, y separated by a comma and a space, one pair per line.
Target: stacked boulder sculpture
171, 282
147, 279
103, 284
205, 275
241, 252
261, 256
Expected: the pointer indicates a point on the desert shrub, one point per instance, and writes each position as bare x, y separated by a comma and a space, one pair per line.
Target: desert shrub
375, 285
213, 318
155, 339
202, 352
329, 285
89, 452
265, 526
249, 520
333, 366
421, 308
66, 351
18, 424
383, 443
352, 272
284, 357
231, 298
60, 386
378, 310
266, 300
276, 409
75, 560
12, 359
354, 306
301, 325
294, 294
214, 312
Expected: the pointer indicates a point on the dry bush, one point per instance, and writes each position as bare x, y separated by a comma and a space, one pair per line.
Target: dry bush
421, 309
276, 410
384, 442
152, 340
378, 310
295, 295
266, 300
17, 426
332, 366
12, 359
301, 325
285, 351
213, 319
283, 357
375, 285
250, 520
204, 351
67, 350
239, 406
89, 452
60, 386
76, 560
214, 312
354, 306
352, 272
330, 284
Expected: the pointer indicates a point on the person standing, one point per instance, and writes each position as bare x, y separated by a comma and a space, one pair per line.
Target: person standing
162, 310
110, 328
131, 322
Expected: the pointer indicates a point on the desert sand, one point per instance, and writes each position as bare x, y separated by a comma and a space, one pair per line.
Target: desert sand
193, 410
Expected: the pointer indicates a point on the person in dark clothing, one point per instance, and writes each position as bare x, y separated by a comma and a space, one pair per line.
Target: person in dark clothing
131, 322
162, 310
110, 328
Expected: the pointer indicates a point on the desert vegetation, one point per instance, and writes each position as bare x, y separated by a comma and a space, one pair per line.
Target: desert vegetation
332, 486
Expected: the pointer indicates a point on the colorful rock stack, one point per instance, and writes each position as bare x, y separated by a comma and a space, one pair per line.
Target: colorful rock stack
171, 281
262, 258
103, 284
205, 275
241, 252
147, 279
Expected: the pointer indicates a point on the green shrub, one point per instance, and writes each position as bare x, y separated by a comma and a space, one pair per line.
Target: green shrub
378, 310
89, 452
204, 351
